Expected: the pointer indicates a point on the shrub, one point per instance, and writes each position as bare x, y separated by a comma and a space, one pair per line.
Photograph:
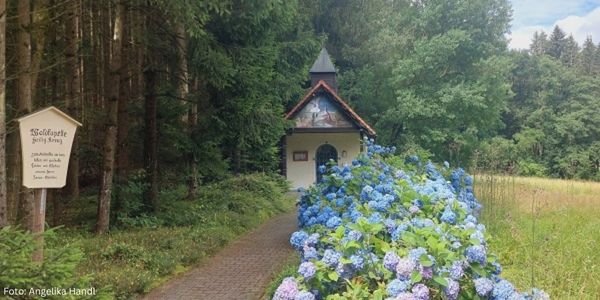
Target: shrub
146, 249
530, 168
58, 270
382, 228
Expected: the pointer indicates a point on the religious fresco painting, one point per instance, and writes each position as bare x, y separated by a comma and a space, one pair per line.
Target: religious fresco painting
320, 112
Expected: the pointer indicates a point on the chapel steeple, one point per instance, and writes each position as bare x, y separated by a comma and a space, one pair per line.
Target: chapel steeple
323, 69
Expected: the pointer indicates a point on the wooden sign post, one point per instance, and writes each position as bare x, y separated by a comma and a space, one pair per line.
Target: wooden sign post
46, 140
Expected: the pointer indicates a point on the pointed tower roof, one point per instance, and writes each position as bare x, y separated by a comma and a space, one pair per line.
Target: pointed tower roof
323, 63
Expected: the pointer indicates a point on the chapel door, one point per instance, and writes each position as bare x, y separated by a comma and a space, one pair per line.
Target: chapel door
325, 153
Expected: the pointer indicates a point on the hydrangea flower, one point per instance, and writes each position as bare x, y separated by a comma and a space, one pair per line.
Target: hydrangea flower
452, 289
426, 272
322, 169
503, 290
298, 238
420, 292
422, 223
405, 296
415, 254
331, 258
469, 180
537, 294
390, 260
334, 222
309, 253
287, 290
358, 262
404, 268
312, 239
448, 216
397, 233
456, 270
483, 286
375, 218
304, 295
476, 254
307, 270
397, 286
354, 235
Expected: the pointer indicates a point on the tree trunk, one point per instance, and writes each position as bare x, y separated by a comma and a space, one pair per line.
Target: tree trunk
151, 139
3, 198
182, 72
193, 122
73, 97
110, 142
150, 118
57, 96
39, 31
24, 106
183, 91
122, 164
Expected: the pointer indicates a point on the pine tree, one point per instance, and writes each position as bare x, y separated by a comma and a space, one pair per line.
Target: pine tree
570, 52
110, 139
73, 89
539, 43
587, 62
597, 60
25, 106
556, 44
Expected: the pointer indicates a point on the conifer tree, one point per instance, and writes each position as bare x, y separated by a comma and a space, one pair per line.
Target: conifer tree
556, 44
570, 52
539, 43
588, 62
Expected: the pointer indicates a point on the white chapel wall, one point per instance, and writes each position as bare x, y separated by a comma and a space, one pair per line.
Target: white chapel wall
303, 173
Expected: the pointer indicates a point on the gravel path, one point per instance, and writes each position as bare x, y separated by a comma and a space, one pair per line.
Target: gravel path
240, 271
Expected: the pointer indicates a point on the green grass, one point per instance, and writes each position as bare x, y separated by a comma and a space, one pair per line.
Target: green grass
546, 232
144, 252
290, 268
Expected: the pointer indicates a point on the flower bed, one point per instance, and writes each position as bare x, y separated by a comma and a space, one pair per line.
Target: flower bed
384, 228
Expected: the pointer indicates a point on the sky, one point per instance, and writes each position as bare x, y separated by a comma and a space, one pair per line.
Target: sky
580, 18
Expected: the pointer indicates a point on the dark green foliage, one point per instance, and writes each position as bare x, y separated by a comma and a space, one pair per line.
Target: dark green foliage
251, 63
435, 76
143, 251
59, 268
257, 192
557, 43
552, 121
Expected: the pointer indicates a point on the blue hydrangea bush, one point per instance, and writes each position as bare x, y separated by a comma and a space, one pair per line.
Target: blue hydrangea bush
387, 228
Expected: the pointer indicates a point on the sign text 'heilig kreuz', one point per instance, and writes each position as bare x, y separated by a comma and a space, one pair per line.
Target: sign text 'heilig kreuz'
46, 136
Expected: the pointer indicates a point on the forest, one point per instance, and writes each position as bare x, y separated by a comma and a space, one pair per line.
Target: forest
184, 100
179, 94
182, 104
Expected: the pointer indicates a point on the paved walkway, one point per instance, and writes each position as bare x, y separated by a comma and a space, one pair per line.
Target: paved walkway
241, 271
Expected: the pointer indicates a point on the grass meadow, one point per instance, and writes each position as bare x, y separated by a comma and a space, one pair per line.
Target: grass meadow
546, 232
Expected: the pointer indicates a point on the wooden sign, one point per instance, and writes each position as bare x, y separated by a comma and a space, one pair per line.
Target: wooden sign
46, 140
